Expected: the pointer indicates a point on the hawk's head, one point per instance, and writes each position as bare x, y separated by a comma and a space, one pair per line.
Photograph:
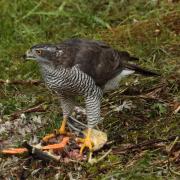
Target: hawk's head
43, 53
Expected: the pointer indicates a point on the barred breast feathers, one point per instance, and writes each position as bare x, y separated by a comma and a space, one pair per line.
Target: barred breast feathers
71, 80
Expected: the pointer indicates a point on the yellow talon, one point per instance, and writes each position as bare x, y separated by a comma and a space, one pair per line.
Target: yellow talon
47, 137
62, 130
87, 142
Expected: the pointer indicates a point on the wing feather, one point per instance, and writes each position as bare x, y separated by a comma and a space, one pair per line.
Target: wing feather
95, 58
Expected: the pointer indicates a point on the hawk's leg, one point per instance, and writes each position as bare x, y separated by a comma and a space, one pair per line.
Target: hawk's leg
62, 129
93, 116
67, 104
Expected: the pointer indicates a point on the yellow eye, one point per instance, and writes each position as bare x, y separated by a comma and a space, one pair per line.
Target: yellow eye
38, 52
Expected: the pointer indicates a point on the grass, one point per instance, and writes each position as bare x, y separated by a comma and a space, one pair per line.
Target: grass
146, 29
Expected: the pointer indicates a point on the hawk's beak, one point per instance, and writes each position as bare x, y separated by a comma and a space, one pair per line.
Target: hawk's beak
29, 55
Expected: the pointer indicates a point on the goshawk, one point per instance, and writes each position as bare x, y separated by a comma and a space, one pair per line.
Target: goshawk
87, 68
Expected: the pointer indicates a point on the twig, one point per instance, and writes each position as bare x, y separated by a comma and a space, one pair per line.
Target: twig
177, 109
144, 145
174, 172
21, 82
173, 144
139, 146
102, 157
94, 160
134, 160
163, 162
151, 94
169, 153
35, 108
145, 96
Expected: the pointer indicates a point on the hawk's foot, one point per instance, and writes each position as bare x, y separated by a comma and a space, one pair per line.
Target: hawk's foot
62, 131
48, 136
86, 142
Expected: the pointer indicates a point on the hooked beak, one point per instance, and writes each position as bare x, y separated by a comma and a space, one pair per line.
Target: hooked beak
29, 55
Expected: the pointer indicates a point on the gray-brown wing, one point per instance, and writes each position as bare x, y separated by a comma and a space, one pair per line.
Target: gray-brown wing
95, 58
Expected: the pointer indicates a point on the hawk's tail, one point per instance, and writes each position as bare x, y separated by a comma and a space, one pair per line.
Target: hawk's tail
140, 70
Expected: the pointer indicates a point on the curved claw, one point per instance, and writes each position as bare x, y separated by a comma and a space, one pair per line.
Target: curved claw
48, 136
61, 131
87, 142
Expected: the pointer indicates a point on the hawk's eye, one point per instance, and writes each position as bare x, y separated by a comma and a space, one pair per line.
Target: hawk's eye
39, 52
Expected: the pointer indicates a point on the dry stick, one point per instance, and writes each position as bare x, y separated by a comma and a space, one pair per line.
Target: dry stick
165, 162
132, 161
148, 95
21, 82
35, 108
173, 144
143, 145
174, 172
94, 161
169, 150
177, 110
139, 146
145, 96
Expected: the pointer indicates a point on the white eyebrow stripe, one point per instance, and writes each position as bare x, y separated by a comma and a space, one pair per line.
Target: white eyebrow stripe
50, 48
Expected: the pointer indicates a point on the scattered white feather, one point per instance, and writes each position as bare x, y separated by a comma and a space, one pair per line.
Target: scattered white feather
37, 119
17, 130
125, 105
23, 116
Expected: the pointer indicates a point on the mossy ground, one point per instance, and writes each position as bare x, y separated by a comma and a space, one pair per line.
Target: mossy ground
146, 29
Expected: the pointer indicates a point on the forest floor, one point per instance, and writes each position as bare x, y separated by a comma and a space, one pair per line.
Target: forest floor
141, 118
